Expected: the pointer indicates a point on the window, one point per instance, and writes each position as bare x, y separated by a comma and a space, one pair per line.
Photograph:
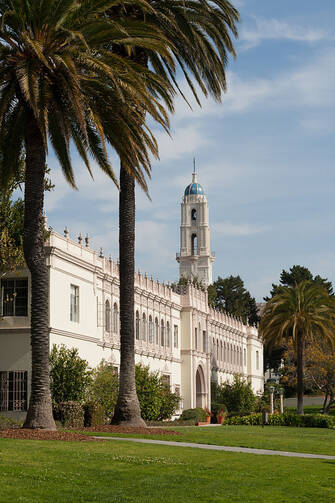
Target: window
137, 326
217, 349
74, 303
245, 356
194, 245
144, 327
156, 331
241, 362
151, 330
196, 338
257, 360
107, 316
162, 333
14, 297
167, 334
221, 351
166, 379
115, 318
204, 341
194, 215
175, 336
13, 390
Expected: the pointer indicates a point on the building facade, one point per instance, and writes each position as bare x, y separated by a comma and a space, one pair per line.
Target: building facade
176, 333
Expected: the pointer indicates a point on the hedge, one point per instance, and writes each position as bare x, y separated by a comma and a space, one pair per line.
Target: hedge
70, 414
94, 414
286, 419
197, 414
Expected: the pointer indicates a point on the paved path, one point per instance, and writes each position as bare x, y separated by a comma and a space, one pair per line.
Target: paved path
246, 450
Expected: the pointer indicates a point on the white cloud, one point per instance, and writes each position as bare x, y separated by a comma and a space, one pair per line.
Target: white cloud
272, 29
231, 229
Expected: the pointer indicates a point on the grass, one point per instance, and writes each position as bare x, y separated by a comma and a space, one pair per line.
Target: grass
311, 409
117, 472
312, 440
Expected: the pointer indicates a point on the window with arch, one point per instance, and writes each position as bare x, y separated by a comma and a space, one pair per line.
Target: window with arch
168, 342
194, 244
224, 352
175, 336
204, 341
115, 318
107, 316
151, 330
156, 331
217, 349
257, 360
221, 351
144, 327
194, 215
245, 356
162, 333
196, 338
241, 360
137, 326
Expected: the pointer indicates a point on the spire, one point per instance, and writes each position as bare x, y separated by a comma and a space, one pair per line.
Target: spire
194, 174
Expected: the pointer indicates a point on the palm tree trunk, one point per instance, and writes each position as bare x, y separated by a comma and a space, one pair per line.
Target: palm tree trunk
127, 410
300, 374
40, 408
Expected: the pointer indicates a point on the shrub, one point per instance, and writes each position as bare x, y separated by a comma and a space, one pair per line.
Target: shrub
286, 419
94, 414
198, 414
104, 388
8, 422
69, 375
70, 414
157, 402
237, 396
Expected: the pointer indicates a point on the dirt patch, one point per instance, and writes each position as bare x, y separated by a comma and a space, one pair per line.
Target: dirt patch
107, 428
45, 435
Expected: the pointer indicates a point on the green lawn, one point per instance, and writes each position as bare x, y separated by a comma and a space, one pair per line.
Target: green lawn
53, 472
312, 440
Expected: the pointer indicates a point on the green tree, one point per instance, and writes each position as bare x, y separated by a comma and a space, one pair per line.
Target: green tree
199, 37
69, 375
237, 396
302, 312
59, 82
230, 295
104, 387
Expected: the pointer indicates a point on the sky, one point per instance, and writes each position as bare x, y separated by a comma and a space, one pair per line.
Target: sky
264, 156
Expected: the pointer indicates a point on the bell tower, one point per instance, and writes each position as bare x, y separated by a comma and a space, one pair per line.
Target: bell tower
195, 258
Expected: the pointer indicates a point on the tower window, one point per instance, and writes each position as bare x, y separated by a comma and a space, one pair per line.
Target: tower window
194, 244
194, 215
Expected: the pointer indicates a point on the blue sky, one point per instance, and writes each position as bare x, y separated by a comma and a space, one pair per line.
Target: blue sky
265, 158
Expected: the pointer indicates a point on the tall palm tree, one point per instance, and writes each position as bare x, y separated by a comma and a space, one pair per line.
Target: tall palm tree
199, 37
302, 313
59, 84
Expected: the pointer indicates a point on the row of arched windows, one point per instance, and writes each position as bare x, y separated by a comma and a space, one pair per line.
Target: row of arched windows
157, 333
111, 318
229, 353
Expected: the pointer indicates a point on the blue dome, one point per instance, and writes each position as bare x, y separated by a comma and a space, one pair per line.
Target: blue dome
194, 189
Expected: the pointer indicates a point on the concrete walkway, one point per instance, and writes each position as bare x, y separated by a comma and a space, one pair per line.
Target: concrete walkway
245, 450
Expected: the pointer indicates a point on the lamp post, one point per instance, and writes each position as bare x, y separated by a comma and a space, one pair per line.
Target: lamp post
281, 393
271, 389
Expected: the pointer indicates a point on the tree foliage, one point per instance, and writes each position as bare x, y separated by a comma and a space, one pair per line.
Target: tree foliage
230, 295
237, 396
69, 375
104, 387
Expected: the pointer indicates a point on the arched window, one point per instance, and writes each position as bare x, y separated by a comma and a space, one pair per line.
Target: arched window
245, 356
144, 327
196, 338
221, 356
194, 215
257, 360
224, 352
115, 318
162, 333
241, 362
156, 331
151, 330
137, 326
107, 316
217, 349
168, 342
194, 244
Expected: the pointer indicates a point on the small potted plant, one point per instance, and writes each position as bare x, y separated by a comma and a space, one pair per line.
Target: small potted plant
221, 414
208, 415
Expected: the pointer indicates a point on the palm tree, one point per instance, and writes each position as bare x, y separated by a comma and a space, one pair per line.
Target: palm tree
303, 312
59, 83
198, 35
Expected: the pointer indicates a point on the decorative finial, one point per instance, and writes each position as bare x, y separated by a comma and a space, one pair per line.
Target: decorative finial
193, 164
80, 238
66, 232
45, 220
101, 254
87, 241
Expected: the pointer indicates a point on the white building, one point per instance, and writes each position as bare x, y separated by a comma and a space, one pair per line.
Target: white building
176, 333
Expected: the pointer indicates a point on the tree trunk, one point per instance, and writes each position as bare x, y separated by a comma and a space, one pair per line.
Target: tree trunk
127, 410
300, 374
40, 408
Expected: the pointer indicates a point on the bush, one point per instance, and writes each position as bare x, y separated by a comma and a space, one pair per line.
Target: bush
70, 414
104, 388
8, 423
198, 414
157, 402
237, 396
94, 414
286, 419
69, 375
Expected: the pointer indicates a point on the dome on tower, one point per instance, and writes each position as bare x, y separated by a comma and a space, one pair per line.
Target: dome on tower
194, 188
